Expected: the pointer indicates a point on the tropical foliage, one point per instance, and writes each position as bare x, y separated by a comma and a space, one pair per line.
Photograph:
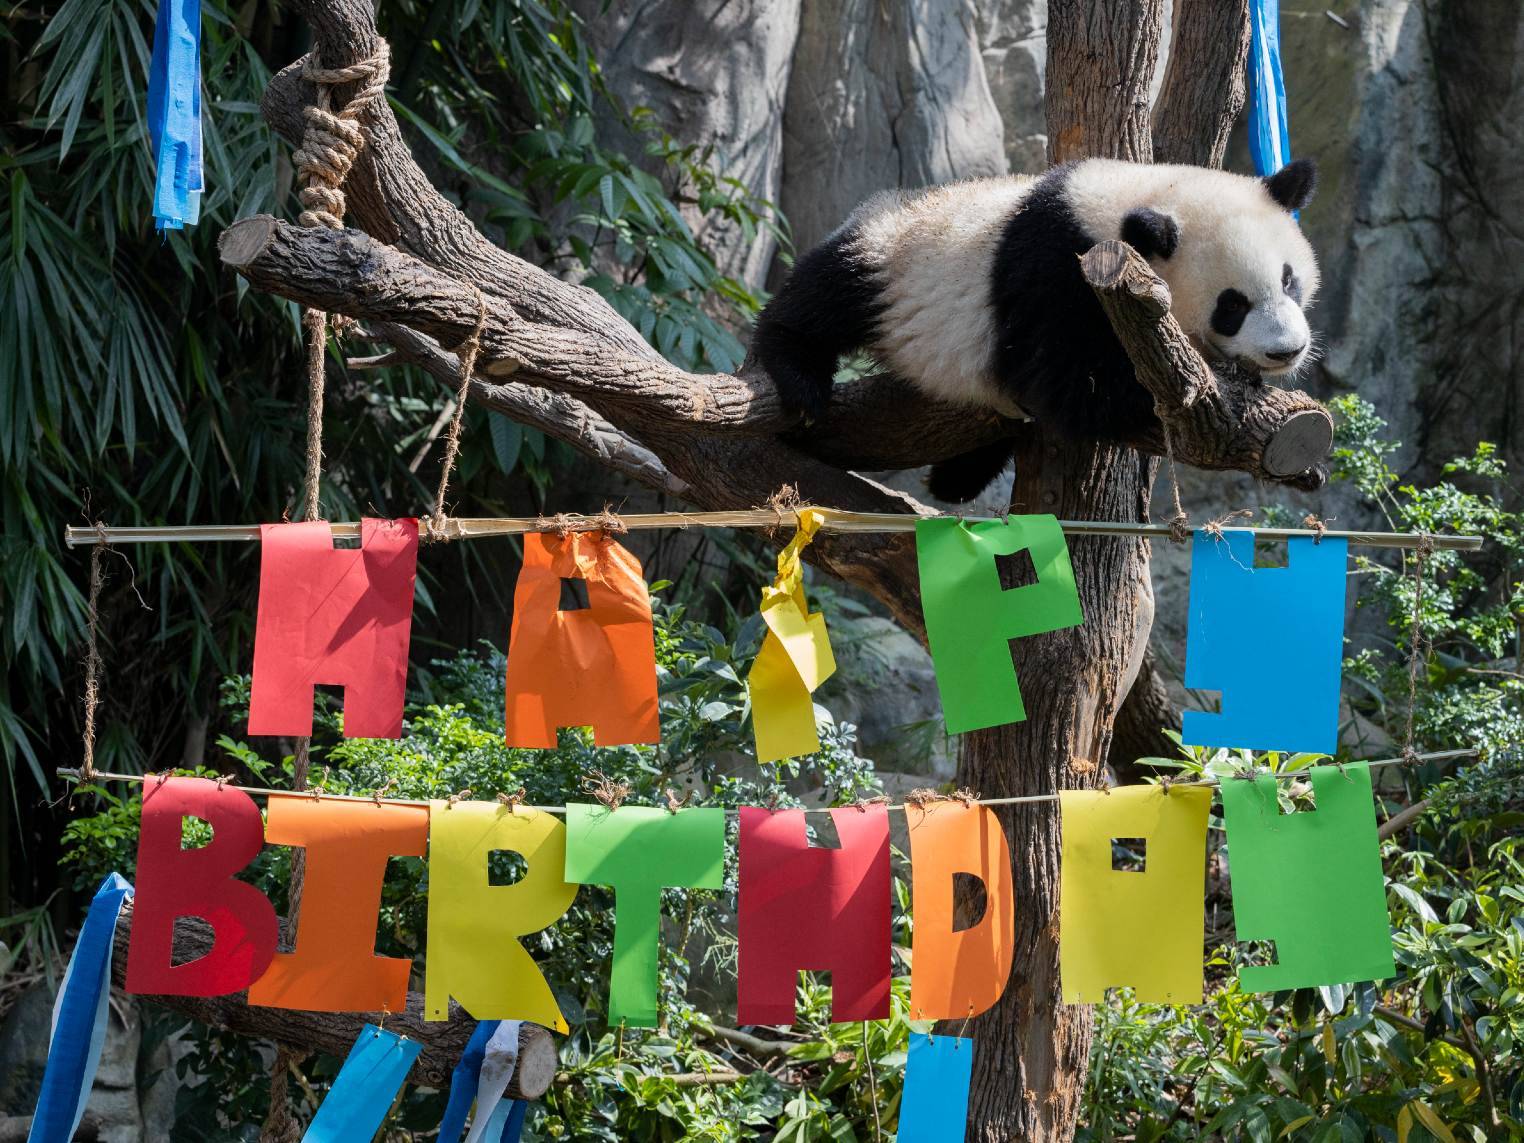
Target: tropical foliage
141, 384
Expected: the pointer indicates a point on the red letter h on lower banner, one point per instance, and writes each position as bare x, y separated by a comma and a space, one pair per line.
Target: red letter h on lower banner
804, 907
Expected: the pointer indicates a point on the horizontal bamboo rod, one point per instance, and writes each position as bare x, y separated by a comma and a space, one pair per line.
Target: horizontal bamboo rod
473, 528
316, 793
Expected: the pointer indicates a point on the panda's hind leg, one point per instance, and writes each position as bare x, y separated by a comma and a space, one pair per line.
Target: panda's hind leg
825, 309
959, 479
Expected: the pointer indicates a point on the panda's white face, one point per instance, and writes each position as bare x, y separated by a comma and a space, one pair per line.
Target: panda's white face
1240, 271
1238, 288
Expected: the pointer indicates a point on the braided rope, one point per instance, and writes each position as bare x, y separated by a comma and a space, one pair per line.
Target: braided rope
332, 140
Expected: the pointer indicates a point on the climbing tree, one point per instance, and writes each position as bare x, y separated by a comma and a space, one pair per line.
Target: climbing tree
423, 282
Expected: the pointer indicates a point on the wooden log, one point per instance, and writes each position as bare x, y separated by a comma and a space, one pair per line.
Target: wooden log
334, 1032
1215, 421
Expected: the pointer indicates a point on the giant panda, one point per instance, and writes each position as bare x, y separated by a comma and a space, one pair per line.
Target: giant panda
973, 293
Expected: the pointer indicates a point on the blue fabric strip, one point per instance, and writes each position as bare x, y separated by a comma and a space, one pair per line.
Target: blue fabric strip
463, 1082
174, 114
79, 1020
934, 1108
515, 1124
1269, 142
366, 1085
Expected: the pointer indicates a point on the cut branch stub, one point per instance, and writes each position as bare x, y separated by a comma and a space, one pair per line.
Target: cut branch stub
443, 1041
1215, 420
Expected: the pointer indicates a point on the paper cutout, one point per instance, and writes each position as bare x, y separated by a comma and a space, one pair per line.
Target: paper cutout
794, 660
464, 1081
175, 882
639, 851
365, 1087
1270, 639
474, 953
337, 616
333, 966
1311, 881
595, 666
934, 1108
958, 974
80, 1013
1128, 927
971, 619
174, 114
498, 1063
803, 907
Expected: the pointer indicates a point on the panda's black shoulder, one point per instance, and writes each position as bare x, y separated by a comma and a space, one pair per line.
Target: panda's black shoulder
1056, 354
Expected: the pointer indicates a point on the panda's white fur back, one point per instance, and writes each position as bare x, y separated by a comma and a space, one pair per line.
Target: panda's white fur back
933, 252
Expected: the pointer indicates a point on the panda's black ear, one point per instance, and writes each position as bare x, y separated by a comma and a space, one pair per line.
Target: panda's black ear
1150, 233
1293, 185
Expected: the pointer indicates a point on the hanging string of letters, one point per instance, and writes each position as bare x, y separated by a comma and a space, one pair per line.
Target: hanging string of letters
1268, 639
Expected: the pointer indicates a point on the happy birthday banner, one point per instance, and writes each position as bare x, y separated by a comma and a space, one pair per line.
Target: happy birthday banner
1269, 640
1308, 885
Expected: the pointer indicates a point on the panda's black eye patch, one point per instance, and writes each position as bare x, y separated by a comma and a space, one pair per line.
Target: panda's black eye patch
1291, 284
1232, 308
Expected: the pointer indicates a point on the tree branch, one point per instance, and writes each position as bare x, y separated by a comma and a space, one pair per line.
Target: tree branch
555, 414
1213, 421
1204, 83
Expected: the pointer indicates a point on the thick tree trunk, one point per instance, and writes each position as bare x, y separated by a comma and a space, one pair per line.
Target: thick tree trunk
1030, 1065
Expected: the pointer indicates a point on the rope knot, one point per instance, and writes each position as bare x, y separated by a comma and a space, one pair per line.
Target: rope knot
610, 524
611, 793
673, 804
332, 140
513, 800
1214, 528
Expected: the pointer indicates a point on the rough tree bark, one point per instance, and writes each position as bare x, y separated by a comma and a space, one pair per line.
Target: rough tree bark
1029, 1071
557, 356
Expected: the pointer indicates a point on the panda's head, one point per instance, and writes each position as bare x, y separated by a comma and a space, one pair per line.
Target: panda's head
1240, 271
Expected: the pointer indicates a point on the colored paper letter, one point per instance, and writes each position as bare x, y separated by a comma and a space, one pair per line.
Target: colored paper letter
474, 926
1133, 927
337, 616
971, 618
934, 1108
364, 1089
333, 966
640, 851
1270, 639
175, 883
804, 907
794, 660
954, 975
594, 666
1311, 882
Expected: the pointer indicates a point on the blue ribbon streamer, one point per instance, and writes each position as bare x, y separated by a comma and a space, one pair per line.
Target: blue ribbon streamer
174, 114
79, 1020
463, 1081
364, 1089
1269, 140
934, 1107
515, 1123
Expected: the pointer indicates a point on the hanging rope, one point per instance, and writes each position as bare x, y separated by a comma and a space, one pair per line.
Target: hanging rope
1179, 522
1418, 651
279, 1125
435, 526
330, 144
93, 659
